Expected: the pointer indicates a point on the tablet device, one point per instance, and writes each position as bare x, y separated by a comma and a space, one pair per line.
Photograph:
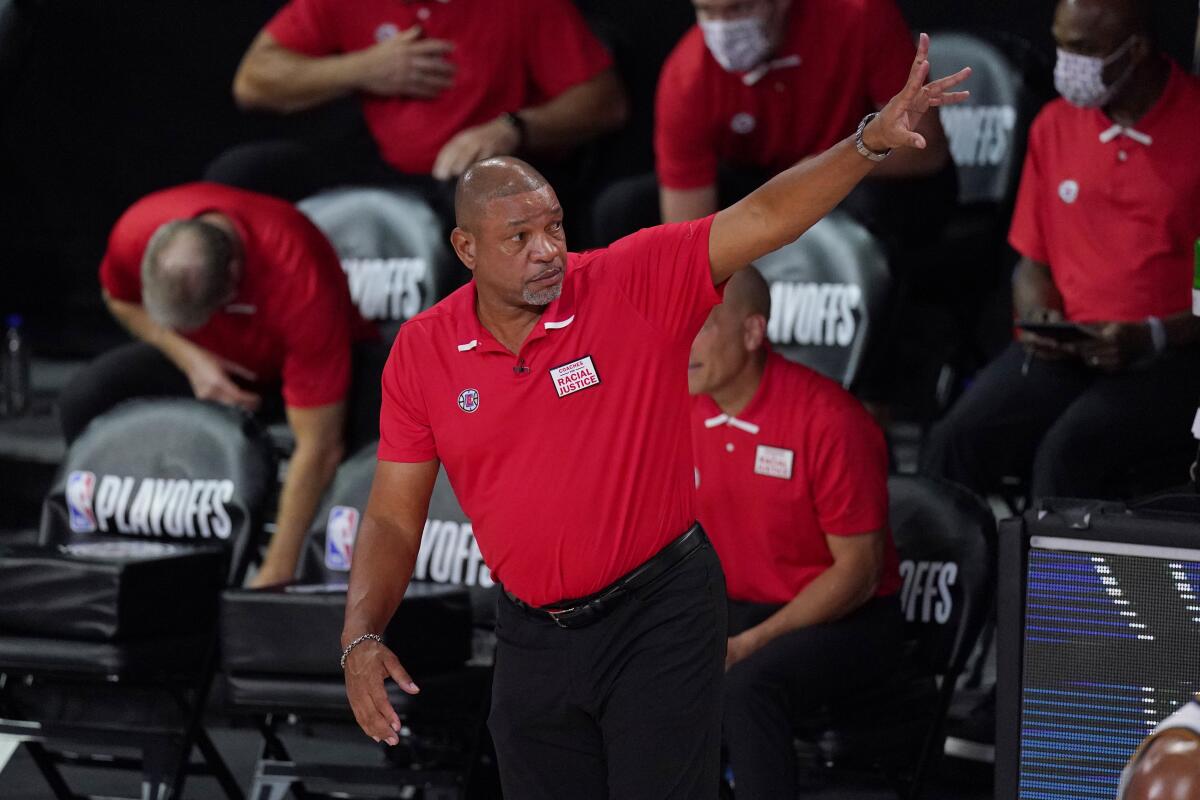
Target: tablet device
1064, 332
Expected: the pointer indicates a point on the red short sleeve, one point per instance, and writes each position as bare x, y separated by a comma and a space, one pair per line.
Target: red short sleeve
1025, 234
666, 274
316, 366
120, 273
849, 470
684, 151
889, 50
405, 434
560, 49
306, 27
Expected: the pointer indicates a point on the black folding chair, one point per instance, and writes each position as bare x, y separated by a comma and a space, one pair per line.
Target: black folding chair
945, 537
145, 693
444, 733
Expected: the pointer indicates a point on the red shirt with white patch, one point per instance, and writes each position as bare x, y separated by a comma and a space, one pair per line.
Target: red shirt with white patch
573, 457
839, 61
292, 319
802, 461
509, 54
1115, 214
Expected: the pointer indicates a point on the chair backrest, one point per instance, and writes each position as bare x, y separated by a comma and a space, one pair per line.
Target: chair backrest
829, 291
987, 133
448, 554
170, 469
391, 246
945, 538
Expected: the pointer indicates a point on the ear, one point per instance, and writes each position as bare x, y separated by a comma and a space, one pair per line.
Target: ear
237, 270
754, 332
464, 245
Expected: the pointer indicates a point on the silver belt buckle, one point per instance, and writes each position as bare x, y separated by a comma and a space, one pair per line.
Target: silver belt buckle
554, 615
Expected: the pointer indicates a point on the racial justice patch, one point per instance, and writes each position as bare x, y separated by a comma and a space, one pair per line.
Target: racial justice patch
574, 376
774, 462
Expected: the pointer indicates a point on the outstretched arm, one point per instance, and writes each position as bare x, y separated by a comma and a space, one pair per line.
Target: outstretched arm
790, 203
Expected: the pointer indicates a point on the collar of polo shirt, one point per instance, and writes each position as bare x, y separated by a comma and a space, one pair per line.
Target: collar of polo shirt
471, 334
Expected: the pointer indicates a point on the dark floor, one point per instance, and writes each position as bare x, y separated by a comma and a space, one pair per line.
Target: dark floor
20, 781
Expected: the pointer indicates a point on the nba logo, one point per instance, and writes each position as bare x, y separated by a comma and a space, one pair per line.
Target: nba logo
80, 488
340, 531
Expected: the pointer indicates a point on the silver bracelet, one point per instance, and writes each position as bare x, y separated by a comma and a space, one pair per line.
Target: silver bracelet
346, 650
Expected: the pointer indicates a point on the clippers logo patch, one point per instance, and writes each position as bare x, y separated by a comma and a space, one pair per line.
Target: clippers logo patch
574, 377
340, 533
468, 400
743, 123
81, 488
1068, 191
774, 462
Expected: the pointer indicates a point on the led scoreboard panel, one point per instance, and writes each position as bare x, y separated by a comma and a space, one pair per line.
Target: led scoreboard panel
1110, 645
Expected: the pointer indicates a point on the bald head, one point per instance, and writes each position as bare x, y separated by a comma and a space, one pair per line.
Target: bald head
1168, 770
488, 180
747, 292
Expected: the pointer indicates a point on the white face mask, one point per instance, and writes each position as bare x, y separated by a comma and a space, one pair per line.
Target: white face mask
1080, 79
737, 44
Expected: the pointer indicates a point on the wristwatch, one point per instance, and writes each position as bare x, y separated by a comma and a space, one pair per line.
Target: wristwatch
863, 150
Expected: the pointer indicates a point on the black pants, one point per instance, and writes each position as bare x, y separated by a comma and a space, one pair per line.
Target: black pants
628, 707
794, 674
901, 212
294, 169
140, 370
1076, 432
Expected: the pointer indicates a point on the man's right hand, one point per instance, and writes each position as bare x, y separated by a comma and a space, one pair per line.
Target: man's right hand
367, 667
1041, 346
408, 65
209, 377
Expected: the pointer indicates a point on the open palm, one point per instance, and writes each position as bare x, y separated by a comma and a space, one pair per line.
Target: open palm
896, 124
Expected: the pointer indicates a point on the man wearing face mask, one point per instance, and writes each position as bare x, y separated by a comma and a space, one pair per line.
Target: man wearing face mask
1108, 209
749, 91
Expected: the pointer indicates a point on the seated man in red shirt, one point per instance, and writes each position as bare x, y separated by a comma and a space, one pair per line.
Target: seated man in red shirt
442, 84
236, 297
791, 475
750, 90
1106, 215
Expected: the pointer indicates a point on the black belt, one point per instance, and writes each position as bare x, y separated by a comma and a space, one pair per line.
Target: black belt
586, 610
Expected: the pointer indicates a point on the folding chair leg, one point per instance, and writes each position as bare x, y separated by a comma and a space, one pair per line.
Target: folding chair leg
269, 788
45, 765
163, 767
216, 763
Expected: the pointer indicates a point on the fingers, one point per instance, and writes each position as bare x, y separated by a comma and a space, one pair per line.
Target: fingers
410, 35
917, 141
367, 710
399, 674
920, 69
387, 716
234, 368
432, 47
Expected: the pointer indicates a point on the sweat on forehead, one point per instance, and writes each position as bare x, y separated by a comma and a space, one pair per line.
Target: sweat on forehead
488, 180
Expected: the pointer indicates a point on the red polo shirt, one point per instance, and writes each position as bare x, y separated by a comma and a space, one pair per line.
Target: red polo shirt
572, 458
840, 60
510, 54
802, 461
1115, 215
292, 318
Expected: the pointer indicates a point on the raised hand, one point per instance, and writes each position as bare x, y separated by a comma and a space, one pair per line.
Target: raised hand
896, 125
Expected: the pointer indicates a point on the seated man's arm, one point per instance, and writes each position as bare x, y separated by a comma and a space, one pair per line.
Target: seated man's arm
276, 78
682, 205
578, 114
777, 213
1035, 297
384, 554
207, 373
310, 470
849, 582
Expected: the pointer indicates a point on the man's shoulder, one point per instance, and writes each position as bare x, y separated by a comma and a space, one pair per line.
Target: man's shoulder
688, 61
809, 391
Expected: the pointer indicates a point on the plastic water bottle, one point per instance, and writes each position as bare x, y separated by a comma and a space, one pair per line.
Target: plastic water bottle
14, 370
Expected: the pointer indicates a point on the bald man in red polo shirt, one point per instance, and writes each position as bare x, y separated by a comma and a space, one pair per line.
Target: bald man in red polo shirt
237, 298
552, 388
442, 83
1106, 217
791, 486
